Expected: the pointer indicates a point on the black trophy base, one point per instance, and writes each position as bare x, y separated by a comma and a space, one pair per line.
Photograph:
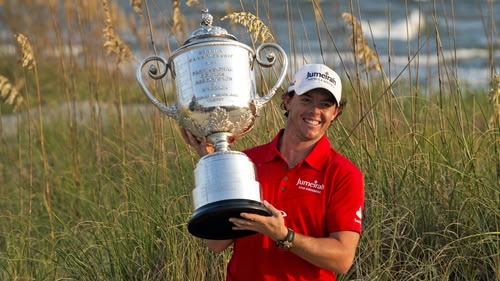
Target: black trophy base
211, 221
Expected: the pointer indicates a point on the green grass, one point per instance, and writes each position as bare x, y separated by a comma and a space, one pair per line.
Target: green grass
107, 194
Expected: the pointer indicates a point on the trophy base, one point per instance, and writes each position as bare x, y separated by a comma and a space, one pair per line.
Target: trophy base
212, 220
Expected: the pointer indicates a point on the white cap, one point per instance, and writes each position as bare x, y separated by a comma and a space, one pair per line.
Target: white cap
313, 76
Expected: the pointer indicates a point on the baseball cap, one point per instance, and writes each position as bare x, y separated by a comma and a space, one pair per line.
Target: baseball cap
313, 76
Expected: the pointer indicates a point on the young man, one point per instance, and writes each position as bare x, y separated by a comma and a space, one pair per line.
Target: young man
315, 195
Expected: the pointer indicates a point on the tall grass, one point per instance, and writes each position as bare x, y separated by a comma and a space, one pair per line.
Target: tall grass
96, 185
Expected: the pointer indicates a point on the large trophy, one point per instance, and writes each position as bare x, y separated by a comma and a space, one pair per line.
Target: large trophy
216, 98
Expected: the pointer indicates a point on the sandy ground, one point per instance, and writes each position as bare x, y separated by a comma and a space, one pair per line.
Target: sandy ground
81, 112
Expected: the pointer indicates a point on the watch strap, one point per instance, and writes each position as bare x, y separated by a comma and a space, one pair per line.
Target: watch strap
286, 243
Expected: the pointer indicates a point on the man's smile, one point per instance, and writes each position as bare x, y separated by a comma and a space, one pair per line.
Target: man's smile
312, 121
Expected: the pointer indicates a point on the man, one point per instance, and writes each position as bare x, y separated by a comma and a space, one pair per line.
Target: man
315, 195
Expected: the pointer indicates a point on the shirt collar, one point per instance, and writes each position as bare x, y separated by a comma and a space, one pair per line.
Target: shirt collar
315, 159
273, 148
318, 156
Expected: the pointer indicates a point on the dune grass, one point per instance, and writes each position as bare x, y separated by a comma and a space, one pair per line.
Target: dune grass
95, 184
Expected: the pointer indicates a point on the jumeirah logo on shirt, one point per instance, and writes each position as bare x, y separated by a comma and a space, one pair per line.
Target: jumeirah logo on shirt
310, 186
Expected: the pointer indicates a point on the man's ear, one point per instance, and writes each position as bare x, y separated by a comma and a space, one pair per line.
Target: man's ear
339, 112
286, 101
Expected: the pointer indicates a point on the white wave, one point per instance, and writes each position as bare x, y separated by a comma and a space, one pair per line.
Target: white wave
468, 66
405, 29
429, 59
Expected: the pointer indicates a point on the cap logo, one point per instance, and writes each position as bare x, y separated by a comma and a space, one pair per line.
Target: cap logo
324, 76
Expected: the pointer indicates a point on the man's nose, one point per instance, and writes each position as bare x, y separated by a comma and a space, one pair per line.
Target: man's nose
315, 107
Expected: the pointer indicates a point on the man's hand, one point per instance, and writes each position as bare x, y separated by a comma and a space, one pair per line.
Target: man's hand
202, 146
272, 226
335, 252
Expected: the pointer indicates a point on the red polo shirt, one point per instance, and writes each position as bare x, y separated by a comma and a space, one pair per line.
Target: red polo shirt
322, 194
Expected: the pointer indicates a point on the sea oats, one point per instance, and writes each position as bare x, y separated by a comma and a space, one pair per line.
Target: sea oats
189, 3
495, 98
9, 94
361, 48
257, 29
178, 19
113, 44
137, 6
28, 60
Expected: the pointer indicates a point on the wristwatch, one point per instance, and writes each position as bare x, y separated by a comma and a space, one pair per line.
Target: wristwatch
286, 243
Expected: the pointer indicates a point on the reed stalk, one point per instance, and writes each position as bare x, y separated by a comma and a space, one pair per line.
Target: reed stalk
28, 61
494, 123
67, 63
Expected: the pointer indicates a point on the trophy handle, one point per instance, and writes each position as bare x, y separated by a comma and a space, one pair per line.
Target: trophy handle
156, 74
270, 61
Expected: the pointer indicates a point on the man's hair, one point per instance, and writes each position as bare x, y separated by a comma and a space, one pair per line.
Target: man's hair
291, 94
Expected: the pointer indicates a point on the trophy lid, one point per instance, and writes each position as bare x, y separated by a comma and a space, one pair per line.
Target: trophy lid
208, 32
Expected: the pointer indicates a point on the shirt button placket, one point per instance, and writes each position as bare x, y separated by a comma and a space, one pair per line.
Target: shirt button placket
283, 186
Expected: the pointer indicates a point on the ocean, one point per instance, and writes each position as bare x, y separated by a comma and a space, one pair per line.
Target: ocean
454, 40
430, 41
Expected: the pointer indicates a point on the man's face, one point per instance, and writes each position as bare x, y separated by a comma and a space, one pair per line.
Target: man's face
310, 114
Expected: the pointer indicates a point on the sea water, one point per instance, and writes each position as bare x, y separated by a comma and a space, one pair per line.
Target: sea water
432, 41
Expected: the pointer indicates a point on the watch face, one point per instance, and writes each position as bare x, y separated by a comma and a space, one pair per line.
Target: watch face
283, 245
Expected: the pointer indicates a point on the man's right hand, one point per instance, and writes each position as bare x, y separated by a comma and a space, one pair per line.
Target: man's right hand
202, 146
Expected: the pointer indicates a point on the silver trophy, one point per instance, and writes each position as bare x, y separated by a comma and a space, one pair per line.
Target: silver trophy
216, 98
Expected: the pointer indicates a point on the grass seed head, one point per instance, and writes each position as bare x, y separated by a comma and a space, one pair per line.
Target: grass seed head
9, 93
113, 44
362, 49
28, 58
137, 6
189, 3
259, 32
177, 17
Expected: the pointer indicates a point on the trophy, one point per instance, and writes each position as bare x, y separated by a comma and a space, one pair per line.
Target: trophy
216, 98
